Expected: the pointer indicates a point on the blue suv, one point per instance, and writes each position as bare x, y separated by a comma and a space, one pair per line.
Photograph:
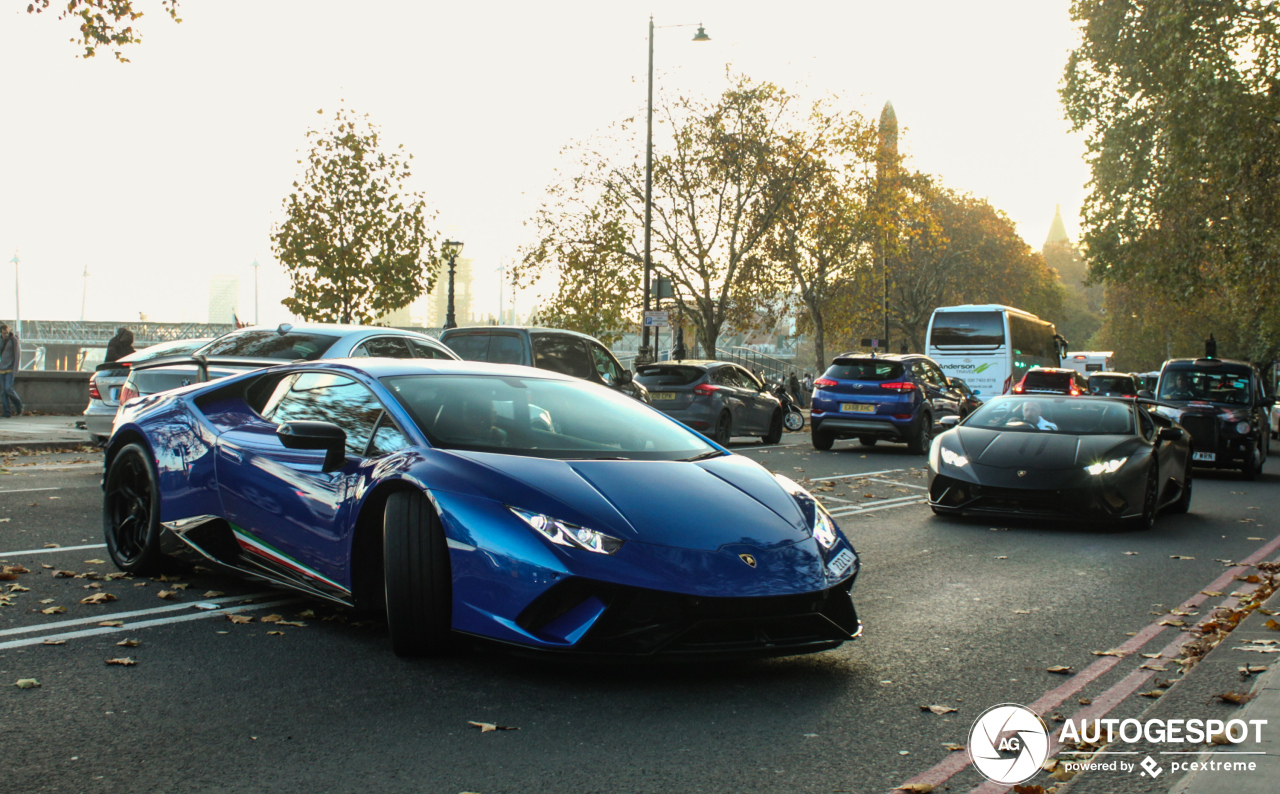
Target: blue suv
895, 398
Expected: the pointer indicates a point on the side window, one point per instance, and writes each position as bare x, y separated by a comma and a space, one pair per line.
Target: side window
424, 350
563, 354
387, 437
325, 397
470, 346
922, 372
606, 365
384, 347
1146, 426
747, 380
725, 376
506, 349
936, 374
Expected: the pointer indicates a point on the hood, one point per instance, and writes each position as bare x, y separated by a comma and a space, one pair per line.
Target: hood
703, 505
1032, 450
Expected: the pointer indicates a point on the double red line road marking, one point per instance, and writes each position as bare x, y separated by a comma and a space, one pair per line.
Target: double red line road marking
1104, 703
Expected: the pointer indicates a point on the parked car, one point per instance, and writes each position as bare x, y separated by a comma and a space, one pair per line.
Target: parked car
1052, 380
419, 487
717, 398
1112, 384
1223, 405
566, 352
261, 346
108, 378
870, 398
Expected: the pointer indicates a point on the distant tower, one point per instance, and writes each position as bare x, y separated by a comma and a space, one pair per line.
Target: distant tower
224, 298
887, 146
1057, 229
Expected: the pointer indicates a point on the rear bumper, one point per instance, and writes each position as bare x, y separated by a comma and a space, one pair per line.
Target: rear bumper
842, 426
99, 418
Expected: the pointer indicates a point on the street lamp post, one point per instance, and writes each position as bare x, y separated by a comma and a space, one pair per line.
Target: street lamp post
451, 249
17, 307
255, 292
646, 352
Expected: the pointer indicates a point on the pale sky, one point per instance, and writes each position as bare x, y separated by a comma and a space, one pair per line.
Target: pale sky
159, 173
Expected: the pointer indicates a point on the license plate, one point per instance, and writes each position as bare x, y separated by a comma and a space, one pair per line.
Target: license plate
857, 408
841, 563
662, 395
1208, 457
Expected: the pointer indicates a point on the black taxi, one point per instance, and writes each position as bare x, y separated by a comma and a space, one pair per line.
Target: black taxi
1223, 405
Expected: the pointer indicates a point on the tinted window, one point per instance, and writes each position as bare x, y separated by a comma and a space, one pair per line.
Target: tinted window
324, 397
506, 349
564, 354
864, 369
1212, 385
668, 375
1065, 415
540, 418
726, 376
472, 347
605, 363
383, 347
427, 350
1060, 381
387, 438
748, 380
966, 329
1112, 384
289, 346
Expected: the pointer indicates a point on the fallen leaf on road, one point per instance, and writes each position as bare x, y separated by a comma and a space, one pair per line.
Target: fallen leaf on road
1034, 788
1086, 701
112, 623
488, 727
240, 618
1112, 652
1155, 693
1181, 612
98, 598
1065, 669
938, 709
54, 642
1131, 553
1258, 668
271, 618
1238, 698
916, 788
1159, 668
953, 747
128, 643
164, 577
280, 633
213, 594
297, 623
27, 683
1271, 624
17, 588
54, 610
123, 661
1180, 557
1211, 593
167, 594
51, 545
1003, 557
1255, 538
1173, 622
94, 562
307, 613
183, 586
15, 569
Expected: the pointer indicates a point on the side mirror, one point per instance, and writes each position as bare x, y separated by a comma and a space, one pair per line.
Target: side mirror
309, 434
1146, 394
626, 377
1169, 434
949, 421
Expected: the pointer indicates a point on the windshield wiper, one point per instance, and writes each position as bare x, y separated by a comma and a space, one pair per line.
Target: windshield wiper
714, 453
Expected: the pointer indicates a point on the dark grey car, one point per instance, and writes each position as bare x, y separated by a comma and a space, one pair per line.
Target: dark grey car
716, 398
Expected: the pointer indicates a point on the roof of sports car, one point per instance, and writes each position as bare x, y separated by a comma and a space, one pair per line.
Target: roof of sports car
389, 367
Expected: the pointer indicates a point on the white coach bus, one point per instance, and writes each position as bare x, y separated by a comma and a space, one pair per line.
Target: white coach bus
1087, 362
990, 346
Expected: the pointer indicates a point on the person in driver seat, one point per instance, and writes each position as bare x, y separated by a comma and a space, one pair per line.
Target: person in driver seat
1032, 416
478, 425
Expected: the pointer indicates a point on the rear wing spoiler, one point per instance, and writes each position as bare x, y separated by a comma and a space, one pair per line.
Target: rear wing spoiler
202, 363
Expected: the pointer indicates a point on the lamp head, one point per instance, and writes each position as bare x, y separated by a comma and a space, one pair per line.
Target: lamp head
701, 35
451, 248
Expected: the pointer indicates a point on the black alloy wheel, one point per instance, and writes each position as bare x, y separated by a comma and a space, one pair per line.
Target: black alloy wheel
775, 429
724, 429
417, 576
131, 513
919, 443
1150, 500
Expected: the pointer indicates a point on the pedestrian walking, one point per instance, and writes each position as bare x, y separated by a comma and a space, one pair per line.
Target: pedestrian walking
10, 359
120, 345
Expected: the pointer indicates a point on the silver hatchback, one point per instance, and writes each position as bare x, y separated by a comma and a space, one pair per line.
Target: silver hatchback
719, 399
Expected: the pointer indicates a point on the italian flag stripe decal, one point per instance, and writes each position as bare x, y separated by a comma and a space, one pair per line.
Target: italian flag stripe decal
252, 544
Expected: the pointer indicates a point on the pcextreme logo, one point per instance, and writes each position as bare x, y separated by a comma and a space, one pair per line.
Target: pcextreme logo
1008, 743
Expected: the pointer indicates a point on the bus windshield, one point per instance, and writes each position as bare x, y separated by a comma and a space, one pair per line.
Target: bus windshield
967, 329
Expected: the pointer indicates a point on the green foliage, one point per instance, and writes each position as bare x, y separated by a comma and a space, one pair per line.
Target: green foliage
104, 23
1180, 100
354, 240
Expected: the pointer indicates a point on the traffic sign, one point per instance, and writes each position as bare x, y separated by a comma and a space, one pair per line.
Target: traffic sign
657, 319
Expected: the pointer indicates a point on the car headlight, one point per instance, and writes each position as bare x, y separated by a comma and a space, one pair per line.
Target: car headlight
1106, 467
954, 458
824, 530
562, 533
1243, 428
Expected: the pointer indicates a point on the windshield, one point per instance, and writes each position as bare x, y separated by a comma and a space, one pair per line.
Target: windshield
967, 329
1216, 386
669, 375
864, 369
1112, 384
291, 346
540, 418
1076, 417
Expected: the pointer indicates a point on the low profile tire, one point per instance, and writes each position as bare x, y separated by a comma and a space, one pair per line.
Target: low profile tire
775, 429
417, 578
794, 420
1183, 504
822, 441
131, 513
867, 441
1150, 502
724, 429
918, 444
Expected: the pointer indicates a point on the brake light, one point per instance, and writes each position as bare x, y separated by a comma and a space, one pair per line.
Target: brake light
901, 386
1007, 381
824, 382
1074, 392
705, 389
1017, 389
94, 394
127, 394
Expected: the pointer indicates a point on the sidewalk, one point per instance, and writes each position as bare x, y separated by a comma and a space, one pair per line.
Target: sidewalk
21, 433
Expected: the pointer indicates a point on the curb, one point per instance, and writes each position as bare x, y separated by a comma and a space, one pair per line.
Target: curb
18, 447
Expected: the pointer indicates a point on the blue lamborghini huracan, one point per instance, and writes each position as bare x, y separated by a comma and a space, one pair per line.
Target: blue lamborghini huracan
467, 499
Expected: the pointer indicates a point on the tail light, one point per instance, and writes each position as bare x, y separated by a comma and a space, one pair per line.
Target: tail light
1018, 389
1007, 382
900, 386
825, 382
94, 394
127, 393
1074, 392
705, 389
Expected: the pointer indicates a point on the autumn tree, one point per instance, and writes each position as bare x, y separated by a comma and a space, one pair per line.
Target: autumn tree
354, 239
1180, 102
103, 23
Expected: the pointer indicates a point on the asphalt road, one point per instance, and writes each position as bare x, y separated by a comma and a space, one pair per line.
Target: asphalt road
964, 614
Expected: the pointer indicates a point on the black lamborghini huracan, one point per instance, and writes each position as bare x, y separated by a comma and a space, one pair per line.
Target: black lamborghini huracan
1085, 458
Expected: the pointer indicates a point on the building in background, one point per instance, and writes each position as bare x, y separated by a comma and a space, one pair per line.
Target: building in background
224, 298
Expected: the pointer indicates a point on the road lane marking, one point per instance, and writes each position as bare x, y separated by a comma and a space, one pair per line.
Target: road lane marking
212, 613
28, 490
48, 551
859, 474
956, 762
858, 512
900, 484
58, 624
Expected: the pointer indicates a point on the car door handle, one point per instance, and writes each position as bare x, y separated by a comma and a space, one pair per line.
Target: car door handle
231, 454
